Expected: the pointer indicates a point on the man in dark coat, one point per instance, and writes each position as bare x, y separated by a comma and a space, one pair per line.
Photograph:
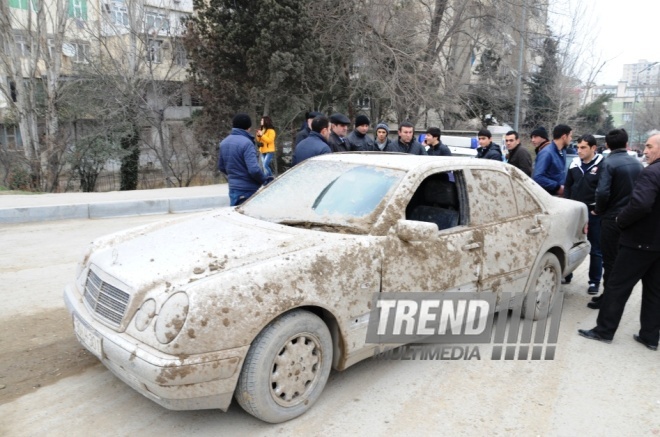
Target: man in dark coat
539, 138
316, 143
519, 157
407, 142
338, 129
382, 142
436, 148
615, 184
487, 149
581, 183
238, 160
358, 139
306, 128
638, 258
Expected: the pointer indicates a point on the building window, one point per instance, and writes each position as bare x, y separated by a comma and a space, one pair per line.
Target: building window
627, 117
19, 4
10, 138
180, 55
155, 51
82, 53
78, 9
22, 45
155, 21
627, 105
118, 12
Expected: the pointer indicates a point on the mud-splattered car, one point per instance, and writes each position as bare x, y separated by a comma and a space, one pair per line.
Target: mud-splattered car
261, 301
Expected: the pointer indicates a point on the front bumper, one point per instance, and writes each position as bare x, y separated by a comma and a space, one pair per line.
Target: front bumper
576, 255
195, 382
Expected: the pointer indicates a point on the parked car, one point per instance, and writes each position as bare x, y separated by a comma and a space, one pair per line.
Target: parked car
261, 300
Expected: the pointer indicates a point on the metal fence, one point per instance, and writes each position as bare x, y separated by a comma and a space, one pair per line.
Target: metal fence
147, 180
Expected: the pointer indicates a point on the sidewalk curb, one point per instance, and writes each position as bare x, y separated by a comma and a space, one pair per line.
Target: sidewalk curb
96, 210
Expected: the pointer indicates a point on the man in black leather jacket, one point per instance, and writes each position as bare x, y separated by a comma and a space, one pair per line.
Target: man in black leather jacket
615, 183
638, 258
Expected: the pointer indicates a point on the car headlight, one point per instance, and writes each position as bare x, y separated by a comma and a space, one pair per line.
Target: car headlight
144, 315
171, 317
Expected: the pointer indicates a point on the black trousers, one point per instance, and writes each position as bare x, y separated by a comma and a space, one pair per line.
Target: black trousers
632, 265
609, 245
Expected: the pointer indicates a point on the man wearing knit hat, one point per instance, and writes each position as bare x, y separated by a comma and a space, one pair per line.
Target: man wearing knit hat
540, 138
382, 142
238, 161
358, 139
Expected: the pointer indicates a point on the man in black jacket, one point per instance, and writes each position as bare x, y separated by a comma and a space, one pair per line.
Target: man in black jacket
338, 128
519, 157
436, 148
581, 183
615, 183
306, 128
358, 139
381, 141
487, 149
407, 142
638, 258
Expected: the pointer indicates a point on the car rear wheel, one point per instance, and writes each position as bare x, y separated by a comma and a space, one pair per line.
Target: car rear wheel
286, 368
544, 285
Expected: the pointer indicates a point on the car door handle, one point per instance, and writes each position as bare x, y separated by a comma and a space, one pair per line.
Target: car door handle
472, 246
535, 230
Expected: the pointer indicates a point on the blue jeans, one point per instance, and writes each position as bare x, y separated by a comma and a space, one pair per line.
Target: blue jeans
267, 158
236, 197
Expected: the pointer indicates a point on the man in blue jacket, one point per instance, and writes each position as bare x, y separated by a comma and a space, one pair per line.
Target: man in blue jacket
550, 165
238, 160
316, 143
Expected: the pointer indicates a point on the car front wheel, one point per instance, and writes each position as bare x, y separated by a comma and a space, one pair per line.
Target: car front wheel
286, 368
544, 285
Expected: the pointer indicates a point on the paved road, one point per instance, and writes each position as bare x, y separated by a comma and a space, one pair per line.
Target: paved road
589, 389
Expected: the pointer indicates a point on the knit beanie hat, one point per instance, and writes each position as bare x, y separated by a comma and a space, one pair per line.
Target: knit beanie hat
362, 120
241, 121
540, 132
382, 125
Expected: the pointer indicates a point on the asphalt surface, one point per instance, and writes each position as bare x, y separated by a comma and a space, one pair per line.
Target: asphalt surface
62, 206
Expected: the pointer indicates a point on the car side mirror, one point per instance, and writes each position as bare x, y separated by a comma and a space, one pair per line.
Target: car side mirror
412, 230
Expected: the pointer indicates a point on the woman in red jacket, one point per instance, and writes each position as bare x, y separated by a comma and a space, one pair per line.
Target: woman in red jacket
266, 136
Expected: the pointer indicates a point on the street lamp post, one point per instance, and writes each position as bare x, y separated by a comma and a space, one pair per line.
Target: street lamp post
632, 118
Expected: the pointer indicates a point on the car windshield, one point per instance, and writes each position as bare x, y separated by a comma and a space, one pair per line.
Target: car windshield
327, 193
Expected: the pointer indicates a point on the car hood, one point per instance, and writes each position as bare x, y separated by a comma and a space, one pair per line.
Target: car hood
176, 252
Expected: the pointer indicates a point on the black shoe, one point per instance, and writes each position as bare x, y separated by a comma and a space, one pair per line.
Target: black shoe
594, 305
596, 298
639, 340
592, 335
593, 288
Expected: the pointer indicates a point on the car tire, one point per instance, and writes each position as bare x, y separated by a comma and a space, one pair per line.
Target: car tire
286, 367
545, 279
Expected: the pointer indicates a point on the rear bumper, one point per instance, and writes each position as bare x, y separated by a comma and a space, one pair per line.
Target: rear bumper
576, 255
203, 381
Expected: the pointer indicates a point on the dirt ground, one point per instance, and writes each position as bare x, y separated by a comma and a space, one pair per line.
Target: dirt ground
49, 385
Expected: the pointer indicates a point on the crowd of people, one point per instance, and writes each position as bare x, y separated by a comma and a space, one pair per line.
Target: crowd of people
622, 198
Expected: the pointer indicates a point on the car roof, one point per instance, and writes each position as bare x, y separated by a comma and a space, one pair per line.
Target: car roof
405, 161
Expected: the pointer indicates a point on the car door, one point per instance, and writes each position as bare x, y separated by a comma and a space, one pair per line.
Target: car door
449, 260
510, 219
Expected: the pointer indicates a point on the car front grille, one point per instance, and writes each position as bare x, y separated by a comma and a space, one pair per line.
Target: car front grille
107, 301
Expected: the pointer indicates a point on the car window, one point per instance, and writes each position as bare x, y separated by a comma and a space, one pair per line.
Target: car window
436, 200
527, 204
324, 192
491, 197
